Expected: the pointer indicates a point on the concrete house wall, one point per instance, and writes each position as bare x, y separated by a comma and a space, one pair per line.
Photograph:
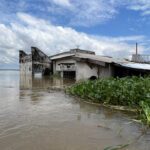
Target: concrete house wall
106, 72
84, 71
65, 61
60, 66
25, 62
26, 68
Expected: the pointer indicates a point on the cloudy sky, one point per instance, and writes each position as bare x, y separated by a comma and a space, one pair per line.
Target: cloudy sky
108, 27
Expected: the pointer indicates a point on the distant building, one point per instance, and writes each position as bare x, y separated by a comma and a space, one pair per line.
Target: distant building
141, 58
138, 58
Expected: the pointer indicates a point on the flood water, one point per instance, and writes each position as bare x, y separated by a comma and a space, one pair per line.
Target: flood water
34, 118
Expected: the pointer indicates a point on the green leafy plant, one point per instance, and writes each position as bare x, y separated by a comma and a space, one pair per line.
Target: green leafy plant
145, 111
118, 147
128, 91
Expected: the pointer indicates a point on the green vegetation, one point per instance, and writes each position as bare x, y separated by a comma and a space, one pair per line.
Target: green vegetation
56, 76
118, 147
128, 91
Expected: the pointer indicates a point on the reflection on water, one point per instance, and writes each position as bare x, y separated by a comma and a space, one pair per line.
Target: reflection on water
37, 81
31, 118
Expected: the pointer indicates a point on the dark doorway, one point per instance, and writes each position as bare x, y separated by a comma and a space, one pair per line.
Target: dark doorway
47, 71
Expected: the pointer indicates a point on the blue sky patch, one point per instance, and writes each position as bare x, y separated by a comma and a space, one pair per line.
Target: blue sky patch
106, 27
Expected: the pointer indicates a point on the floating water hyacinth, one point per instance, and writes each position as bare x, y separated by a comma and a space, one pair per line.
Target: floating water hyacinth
127, 91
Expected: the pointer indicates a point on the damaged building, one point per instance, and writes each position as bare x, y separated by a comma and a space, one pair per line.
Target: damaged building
80, 65
35, 62
83, 64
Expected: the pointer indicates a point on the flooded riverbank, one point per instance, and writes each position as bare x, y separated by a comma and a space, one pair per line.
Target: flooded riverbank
32, 118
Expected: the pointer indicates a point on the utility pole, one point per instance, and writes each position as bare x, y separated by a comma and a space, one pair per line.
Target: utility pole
136, 48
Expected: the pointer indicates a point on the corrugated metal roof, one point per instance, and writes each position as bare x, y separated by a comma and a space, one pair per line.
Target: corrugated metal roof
135, 66
100, 58
105, 59
61, 56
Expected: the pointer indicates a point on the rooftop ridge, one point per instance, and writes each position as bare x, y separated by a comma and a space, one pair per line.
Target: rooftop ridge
74, 51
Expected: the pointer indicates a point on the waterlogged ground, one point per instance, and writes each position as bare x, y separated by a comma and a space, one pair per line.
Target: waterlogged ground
35, 118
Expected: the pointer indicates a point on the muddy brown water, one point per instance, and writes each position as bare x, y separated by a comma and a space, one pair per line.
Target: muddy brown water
34, 118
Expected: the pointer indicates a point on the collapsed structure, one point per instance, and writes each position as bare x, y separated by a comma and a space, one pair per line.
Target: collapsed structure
35, 62
79, 64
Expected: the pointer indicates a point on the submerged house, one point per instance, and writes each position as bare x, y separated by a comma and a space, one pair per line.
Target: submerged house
67, 66
35, 62
80, 65
83, 64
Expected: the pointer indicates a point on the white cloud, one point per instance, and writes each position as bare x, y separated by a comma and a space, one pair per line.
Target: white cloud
74, 12
139, 5
93, 12
87, 13
62, 2
53, 39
